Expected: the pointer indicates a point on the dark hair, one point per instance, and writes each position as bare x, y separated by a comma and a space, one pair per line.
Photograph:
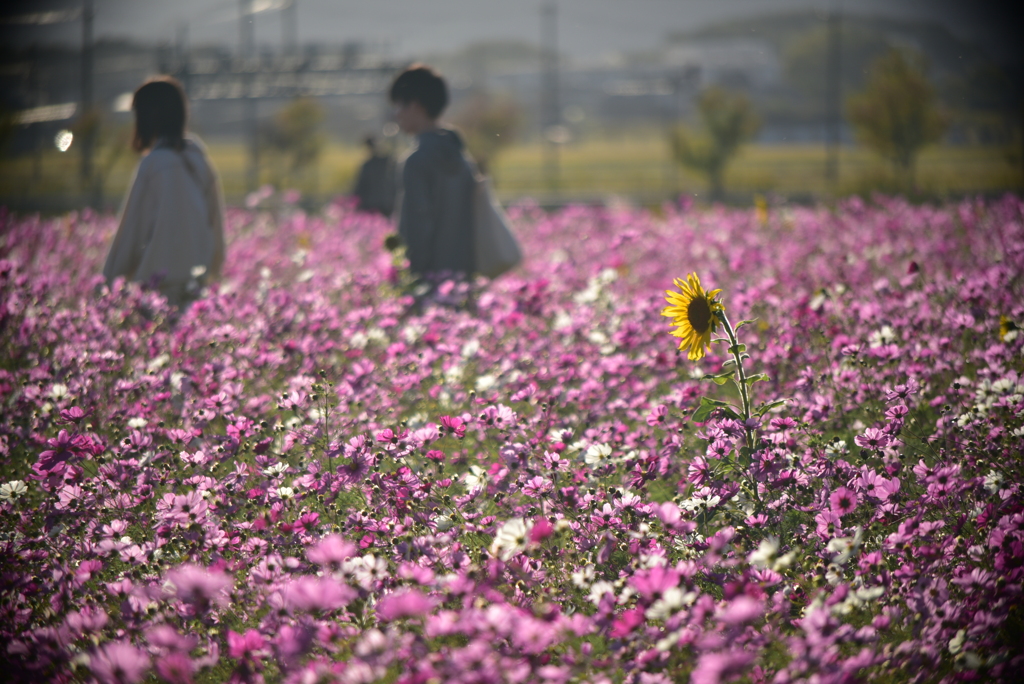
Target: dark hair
161, 110
420, 83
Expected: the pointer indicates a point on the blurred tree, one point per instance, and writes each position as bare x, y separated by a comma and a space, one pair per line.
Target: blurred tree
110, 144
295, 134
489, 124
805, 61
896, 114
728, 120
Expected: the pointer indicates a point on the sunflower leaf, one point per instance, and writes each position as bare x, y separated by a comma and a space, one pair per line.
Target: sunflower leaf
708, 406
738, 349
756, 377
743, 323
718, 378
765, 408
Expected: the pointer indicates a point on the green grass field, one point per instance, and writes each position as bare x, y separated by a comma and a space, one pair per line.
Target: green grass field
635, 167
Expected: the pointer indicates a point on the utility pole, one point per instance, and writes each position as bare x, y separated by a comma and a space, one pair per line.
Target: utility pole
833, 96
290, 28
550, 116
181, 48
86, 115
247, 44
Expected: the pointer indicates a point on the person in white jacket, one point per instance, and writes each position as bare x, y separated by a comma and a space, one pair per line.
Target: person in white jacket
171, 233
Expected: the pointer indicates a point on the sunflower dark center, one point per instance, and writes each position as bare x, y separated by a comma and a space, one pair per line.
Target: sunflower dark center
698, 313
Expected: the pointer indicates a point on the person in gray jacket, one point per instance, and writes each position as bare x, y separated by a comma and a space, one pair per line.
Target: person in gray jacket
171, 232
435, 205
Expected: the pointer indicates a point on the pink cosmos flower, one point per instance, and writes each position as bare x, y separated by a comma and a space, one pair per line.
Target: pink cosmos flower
536, 487
829, 524
119, 663
72, 414
719, 449
199, 586
87, 620
166, 637
740, 610
402, 604
454, 426
871, 483
331, 551
713, 668
61, 448
697, 472
390, 438
627, 622
246, 646
657, 415
901, 392
532, 636
541, 530
416, 573
653, 583
843, 501
176, 668
873, 438
316, 593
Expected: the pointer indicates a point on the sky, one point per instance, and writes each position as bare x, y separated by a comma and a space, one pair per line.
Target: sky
587, 29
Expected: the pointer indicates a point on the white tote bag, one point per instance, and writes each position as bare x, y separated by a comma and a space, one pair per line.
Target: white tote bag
497, 250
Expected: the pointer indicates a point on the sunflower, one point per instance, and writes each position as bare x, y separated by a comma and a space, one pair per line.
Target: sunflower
692, 311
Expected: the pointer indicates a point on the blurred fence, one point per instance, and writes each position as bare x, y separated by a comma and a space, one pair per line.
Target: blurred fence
637, 170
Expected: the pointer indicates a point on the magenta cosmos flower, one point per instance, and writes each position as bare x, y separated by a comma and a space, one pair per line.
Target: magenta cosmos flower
843, 501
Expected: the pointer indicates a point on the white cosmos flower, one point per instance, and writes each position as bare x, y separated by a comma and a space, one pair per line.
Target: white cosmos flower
834, 448
275, 469
765, 554
993, 481
584, 576
510, 540
699, 503
10, 491
844, 547
671, 600
784, 561
956, 644
285, 492
485, 382
597, 453
476, 477
882, 337
598, 590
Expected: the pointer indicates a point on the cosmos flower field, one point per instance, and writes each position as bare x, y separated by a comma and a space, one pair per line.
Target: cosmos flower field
301, 480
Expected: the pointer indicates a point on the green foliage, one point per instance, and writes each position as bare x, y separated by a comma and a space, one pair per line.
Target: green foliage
805, 59
896, 114
489, 124
295, 134
728, 120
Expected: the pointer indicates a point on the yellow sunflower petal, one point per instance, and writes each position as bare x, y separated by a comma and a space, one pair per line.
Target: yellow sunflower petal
693, 313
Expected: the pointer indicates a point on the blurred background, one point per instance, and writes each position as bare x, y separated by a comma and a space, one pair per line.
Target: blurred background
560, 100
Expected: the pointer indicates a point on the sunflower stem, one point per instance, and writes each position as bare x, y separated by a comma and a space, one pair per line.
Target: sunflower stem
741, 376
